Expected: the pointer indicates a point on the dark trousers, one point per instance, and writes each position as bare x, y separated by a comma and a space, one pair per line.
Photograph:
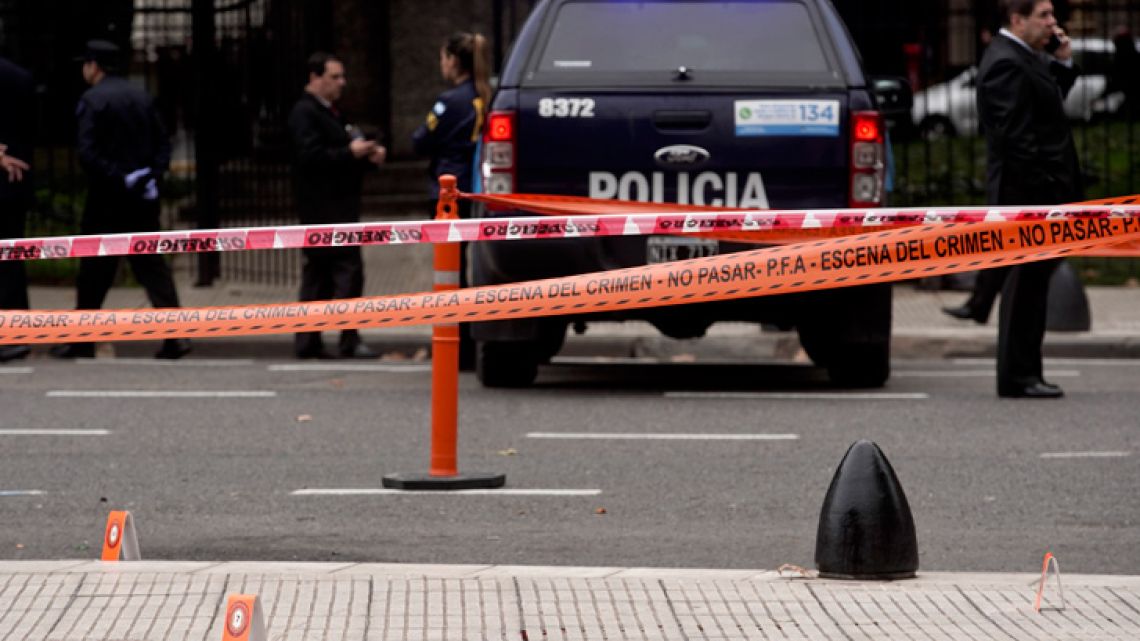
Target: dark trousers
329, 273
13, 277
97, 274
1021, 323
986, 288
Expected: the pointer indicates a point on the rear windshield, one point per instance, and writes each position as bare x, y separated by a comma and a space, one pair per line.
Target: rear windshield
716, 41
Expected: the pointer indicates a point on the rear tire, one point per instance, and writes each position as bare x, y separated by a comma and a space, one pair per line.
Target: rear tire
855, 351
507, 364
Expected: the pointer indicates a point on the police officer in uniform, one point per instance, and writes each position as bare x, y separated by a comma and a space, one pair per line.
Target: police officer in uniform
330, 157
449, 134
16, 113
124, 150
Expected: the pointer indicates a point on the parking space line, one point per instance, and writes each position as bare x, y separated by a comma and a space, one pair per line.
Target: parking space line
804, 396
4, 493
160, 362
21, 432
1070, 455
391, 492
350, 367
972, 373
661, 436
16, 370
1110, 362
62, 393
600, 360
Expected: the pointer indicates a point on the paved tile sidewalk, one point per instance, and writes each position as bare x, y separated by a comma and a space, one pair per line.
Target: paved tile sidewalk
73, 600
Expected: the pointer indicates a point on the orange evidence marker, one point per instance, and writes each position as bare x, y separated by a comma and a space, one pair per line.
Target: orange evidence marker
1049, 560
119, 539
244, 619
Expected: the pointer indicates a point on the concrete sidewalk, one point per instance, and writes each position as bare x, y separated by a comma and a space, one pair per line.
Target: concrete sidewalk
128, 601
921, 330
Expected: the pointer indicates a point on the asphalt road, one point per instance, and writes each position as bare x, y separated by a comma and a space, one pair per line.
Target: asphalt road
992, 484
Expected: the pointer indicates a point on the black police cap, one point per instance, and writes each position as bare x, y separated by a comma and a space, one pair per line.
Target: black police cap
105, 53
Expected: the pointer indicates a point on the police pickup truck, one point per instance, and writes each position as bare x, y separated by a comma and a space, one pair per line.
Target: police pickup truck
749, 104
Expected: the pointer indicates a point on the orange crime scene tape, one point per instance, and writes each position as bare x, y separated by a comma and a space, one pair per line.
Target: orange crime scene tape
883, 256
555, 205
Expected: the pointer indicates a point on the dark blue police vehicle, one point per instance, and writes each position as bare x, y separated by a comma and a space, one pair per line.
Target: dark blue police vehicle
750, 104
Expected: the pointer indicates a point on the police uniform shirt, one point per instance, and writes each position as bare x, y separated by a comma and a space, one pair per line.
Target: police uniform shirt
119, 132
449, 133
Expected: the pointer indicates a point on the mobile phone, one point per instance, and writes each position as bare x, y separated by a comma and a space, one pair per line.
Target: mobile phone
1053, 44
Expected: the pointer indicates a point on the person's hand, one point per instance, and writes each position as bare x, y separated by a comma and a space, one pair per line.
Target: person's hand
14, 166
1065, 51
361, 148
378, 155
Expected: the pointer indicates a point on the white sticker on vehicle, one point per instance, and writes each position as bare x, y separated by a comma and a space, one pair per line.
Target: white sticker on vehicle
566, 107
786, 117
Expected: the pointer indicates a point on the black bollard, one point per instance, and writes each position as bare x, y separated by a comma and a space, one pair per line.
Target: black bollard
1068, 305
866, 530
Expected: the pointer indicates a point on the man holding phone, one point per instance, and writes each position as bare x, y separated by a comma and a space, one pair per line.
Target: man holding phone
330, 157
1023, 78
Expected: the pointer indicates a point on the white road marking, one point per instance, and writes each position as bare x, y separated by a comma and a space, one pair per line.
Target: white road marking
63, 393
601, 436
21, 493
1109, 362
16, 370
166, 362
350, 367
54, 432
972, 373
1110, 454
597, 360
391, 492
804, 396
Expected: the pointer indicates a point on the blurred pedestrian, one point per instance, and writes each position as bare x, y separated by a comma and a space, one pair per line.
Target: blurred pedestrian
449, 134
987, 286
1030, 160
17, 111
330, 157
124, 150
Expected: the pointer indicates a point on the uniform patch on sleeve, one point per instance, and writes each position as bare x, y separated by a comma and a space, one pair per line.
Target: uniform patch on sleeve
438, 108
432, 122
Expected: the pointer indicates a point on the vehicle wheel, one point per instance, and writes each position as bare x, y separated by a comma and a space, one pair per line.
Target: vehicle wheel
862, 365
857, 351
937, 128
506, 364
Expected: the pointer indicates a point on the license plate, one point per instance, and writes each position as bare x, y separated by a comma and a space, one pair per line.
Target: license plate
663, 249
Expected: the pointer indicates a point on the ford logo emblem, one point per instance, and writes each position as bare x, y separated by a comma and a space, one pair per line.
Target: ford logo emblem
675, 155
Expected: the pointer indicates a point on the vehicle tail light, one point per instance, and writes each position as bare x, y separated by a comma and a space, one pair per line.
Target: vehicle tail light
868, 153
498, 163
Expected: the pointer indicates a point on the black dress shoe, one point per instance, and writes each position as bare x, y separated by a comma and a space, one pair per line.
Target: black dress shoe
12, 352
359, 350
173, 349
1040, 389
965, 312
73, 350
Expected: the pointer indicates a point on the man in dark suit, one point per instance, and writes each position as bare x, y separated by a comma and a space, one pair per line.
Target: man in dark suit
330, 157
16, 118
124, 151
1030, 160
